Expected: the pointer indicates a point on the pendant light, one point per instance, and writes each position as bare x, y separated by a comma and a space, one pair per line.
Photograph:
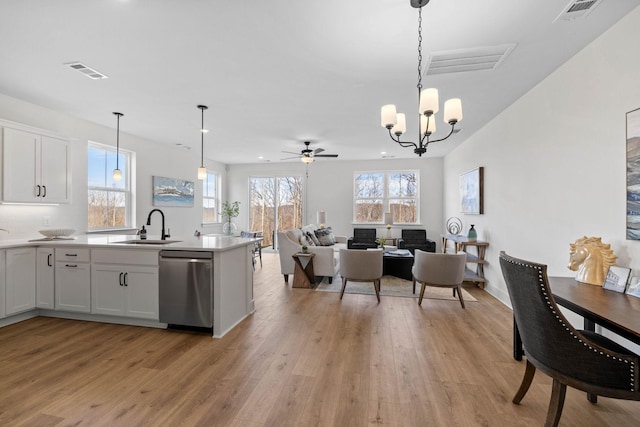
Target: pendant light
202, 171
117, 173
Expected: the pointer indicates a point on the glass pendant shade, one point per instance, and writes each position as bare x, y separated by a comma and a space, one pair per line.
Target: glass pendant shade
388, 116
427, 121
453, 110
202, 172
429, 101
117, 175
306, 159
401, 125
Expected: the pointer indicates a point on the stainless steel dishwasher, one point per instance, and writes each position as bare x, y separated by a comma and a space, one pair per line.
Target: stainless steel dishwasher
186, 288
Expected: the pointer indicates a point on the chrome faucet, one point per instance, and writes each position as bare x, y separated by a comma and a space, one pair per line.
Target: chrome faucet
163, 236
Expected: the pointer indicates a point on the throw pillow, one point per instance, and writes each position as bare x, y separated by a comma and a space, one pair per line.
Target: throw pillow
311, 239
325, 236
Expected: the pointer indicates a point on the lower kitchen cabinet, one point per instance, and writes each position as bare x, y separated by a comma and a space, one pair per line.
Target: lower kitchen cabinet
125, 290
73, 280
45, 274
2, 282
20, 286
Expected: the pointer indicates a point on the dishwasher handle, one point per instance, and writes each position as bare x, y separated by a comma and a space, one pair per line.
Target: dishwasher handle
166, 254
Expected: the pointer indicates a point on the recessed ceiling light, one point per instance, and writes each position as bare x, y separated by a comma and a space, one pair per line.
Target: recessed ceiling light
383, 152
260, 157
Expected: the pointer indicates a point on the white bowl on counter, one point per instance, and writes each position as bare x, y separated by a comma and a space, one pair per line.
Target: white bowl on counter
52, 233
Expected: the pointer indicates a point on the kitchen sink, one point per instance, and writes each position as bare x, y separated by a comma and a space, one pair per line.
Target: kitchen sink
148, 242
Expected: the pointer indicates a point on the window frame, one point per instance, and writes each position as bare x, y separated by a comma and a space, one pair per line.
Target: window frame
216, 198
128, 190
386, 197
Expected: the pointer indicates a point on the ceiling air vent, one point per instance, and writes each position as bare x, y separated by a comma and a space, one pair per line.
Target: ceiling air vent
474, 59
577, 9
87, 71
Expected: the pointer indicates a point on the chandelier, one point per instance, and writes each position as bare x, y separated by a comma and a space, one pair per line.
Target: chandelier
428, 105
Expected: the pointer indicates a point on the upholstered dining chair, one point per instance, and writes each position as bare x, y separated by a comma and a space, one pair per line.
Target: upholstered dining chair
357, 265
580, 359
440, 270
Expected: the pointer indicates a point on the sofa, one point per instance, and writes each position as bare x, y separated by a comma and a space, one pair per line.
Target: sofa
413, 239
326, 263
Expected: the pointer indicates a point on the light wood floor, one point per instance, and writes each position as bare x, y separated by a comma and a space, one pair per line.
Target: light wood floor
304, 358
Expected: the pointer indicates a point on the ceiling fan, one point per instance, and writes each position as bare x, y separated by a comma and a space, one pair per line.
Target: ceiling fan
307, 154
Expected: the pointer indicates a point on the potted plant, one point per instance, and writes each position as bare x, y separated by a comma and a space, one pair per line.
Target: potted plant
305, 249
381, 241
230, 210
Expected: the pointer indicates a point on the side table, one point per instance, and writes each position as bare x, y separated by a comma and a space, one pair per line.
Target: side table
461, 243
303, 276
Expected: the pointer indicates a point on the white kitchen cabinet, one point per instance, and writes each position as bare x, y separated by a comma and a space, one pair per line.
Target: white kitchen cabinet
35, 168
2, 282
45, 274
124, 290
125, 283
20, 286
73, 280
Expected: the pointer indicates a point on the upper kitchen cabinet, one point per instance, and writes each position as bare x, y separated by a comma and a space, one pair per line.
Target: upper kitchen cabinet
35, 168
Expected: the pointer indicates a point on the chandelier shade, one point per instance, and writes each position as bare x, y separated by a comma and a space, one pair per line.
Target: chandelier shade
428, 106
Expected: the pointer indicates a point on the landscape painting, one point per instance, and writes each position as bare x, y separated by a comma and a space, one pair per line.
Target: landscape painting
633, 175
172, 192
471, 184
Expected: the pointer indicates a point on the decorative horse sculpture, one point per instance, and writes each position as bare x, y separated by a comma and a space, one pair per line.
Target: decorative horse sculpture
591, 259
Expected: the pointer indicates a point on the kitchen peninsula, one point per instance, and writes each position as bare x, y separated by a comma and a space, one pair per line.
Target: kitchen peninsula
72, 278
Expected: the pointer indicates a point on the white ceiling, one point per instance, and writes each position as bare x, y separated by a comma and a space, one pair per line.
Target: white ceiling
275, 73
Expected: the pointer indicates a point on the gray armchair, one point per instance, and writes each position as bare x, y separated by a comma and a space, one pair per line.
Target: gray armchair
363, 238
361, 266
580, 359
413, 239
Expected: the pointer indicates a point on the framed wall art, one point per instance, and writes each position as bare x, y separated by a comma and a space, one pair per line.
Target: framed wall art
633, 175
172, 192
471, 191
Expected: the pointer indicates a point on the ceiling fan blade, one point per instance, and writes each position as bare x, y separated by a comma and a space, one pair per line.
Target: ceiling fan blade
318, 150
326, 155
288, 158
291, 152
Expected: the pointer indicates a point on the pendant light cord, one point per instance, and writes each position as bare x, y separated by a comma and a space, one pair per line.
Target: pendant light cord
118, 115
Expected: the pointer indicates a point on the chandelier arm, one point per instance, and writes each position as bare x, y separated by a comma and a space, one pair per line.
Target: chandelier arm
450, 133
402, 143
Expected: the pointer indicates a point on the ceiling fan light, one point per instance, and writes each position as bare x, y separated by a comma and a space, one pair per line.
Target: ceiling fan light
306, 159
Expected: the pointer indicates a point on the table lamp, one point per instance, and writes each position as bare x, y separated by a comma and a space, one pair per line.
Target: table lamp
388, 220
322, 218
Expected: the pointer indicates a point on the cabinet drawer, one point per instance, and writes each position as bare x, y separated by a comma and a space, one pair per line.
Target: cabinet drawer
72, 254
129, 257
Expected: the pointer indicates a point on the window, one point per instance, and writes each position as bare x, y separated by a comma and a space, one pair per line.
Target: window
109, 201
276, 204
210, 198
379, 192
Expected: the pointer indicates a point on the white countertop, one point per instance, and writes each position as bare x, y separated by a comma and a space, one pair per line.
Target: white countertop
201, 243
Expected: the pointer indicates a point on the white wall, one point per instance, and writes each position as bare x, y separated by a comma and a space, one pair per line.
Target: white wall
152, 159
555, 161
329, 187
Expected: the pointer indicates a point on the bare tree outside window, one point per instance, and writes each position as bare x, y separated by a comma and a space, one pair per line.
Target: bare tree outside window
269, 195
108, 200
378, 192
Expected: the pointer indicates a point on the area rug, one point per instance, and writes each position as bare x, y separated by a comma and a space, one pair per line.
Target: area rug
392, 286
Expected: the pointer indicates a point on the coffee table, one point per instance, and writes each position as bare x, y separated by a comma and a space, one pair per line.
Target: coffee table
398, 264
